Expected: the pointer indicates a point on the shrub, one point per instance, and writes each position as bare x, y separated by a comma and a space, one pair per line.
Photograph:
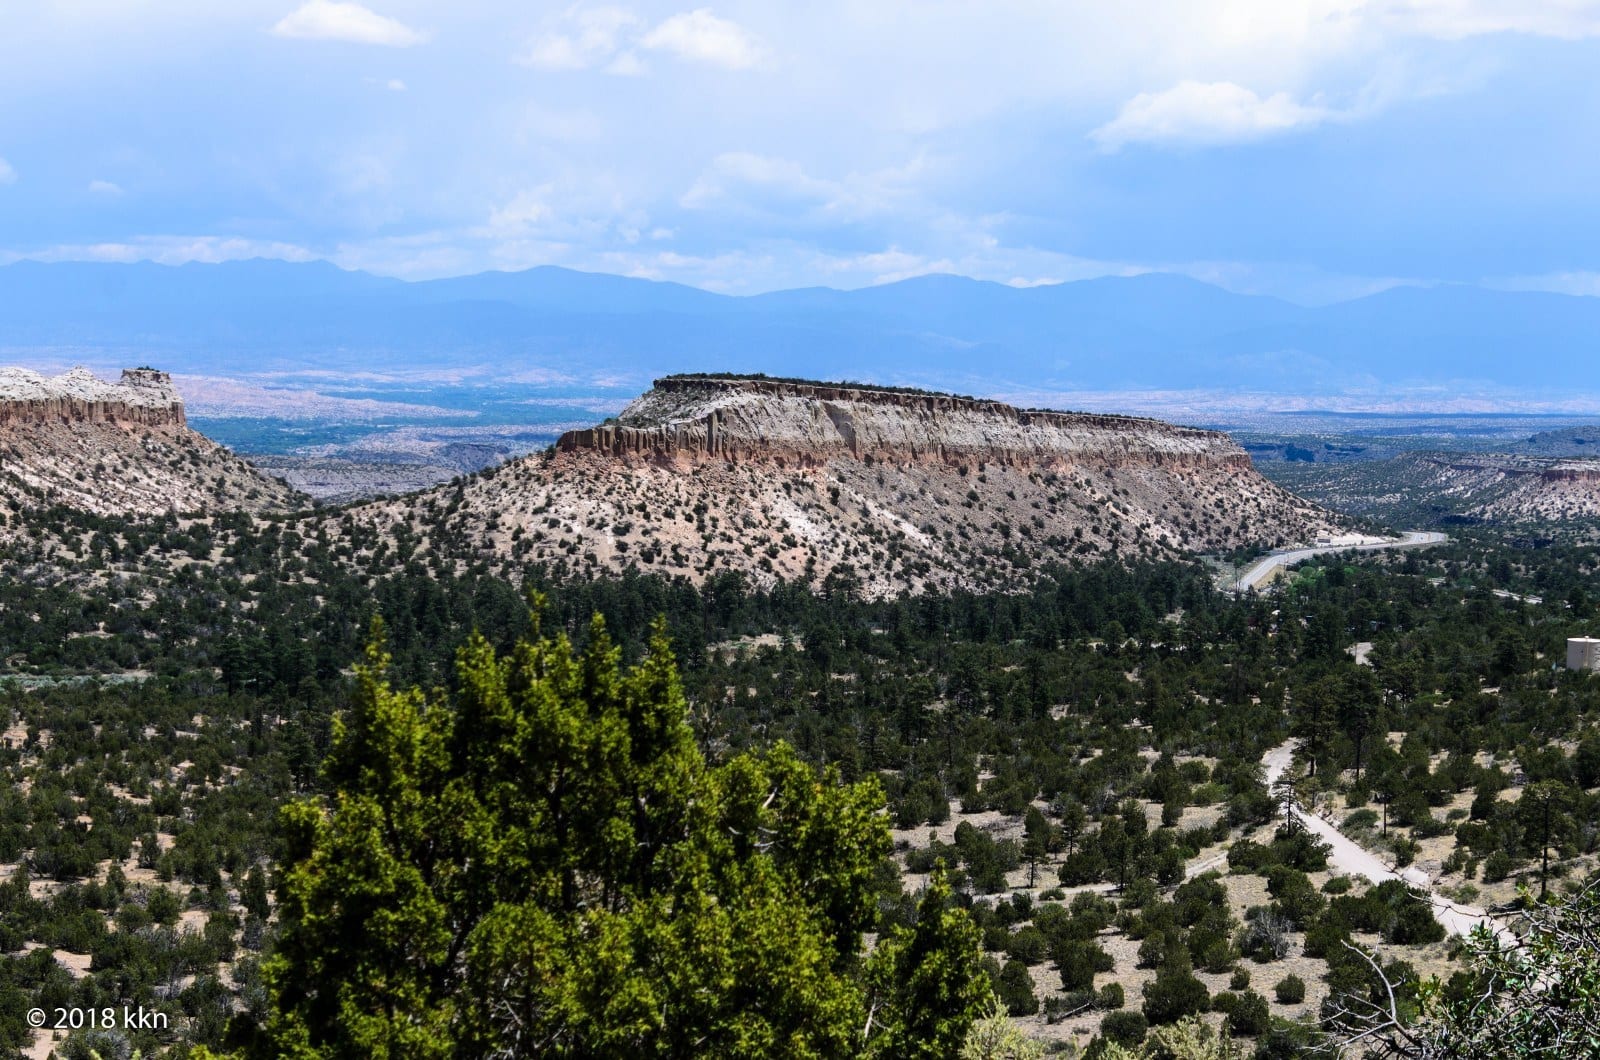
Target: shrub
1291, 990
1295, 896
1174, 994
995, 1037
1265, 937
1078, 961
1015, 988
1414, 923
1247, 856
1361, 821
1249, 1017
1067, 1005
1300, 849
1126, 1029
1027, 945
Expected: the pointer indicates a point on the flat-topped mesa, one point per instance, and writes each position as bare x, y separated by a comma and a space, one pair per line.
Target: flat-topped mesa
1573, 471
1548, 469
143, 398
692, 418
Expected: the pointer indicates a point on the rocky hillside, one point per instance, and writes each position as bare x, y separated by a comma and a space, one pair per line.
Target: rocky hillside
1547, 494
122, 448
894, 489
1516, 489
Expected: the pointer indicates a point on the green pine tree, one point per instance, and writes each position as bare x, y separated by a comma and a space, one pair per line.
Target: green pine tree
545, 864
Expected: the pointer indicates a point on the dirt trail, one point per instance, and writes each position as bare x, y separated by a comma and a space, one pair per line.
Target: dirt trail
1348, 857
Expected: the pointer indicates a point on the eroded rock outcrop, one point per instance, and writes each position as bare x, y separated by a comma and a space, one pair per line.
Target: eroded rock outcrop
143, 398
1587, 471
116, 449
891, 491
806, 425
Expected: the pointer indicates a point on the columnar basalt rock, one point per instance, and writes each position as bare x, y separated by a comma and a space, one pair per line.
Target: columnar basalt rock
800, 424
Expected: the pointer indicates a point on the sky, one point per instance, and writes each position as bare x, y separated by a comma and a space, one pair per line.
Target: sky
1311, 149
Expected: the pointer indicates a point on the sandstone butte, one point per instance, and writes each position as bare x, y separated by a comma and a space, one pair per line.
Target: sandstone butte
116, 448
897, 490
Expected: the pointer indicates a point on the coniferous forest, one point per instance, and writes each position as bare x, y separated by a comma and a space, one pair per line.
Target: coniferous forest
287, 804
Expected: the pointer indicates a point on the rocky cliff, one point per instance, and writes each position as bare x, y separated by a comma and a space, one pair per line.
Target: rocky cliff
143, 398
689, 419
894, 491
1587, 471
1511, 488
1536, 494
117, 448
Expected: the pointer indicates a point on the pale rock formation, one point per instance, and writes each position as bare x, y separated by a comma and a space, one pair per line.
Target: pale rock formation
121, 448
896, 491
798, 424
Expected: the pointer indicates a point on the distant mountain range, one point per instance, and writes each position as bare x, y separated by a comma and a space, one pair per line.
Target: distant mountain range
1151, 331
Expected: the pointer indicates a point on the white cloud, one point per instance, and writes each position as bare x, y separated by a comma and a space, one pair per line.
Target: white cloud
737, 173
584, 38
7, 174
105, 187
577, 208
1579, 282
394, 84
1458, 19
700, 36
1195, 112
336, 20
523, 212
171, 250
781, 187
607, 38
627, 64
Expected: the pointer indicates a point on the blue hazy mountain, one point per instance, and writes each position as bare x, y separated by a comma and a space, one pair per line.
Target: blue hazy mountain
1149, 331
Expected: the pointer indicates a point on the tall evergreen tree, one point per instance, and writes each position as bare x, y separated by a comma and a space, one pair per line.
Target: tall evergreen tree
545, 864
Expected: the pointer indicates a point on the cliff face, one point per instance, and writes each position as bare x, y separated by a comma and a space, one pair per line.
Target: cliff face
1587, 471
893, 491
1511, 489
808, 425
116, 449
143, 398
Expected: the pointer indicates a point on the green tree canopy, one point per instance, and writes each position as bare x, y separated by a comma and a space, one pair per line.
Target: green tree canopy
545, 864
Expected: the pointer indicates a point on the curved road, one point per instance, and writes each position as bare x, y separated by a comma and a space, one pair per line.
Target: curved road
1348, 857
1263, 568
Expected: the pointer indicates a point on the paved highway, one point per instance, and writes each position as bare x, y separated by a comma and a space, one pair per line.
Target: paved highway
1261, 569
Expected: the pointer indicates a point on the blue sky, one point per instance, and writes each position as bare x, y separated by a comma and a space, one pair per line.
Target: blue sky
1314, 150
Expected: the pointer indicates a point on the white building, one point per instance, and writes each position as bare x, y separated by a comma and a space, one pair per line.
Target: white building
1583, 653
